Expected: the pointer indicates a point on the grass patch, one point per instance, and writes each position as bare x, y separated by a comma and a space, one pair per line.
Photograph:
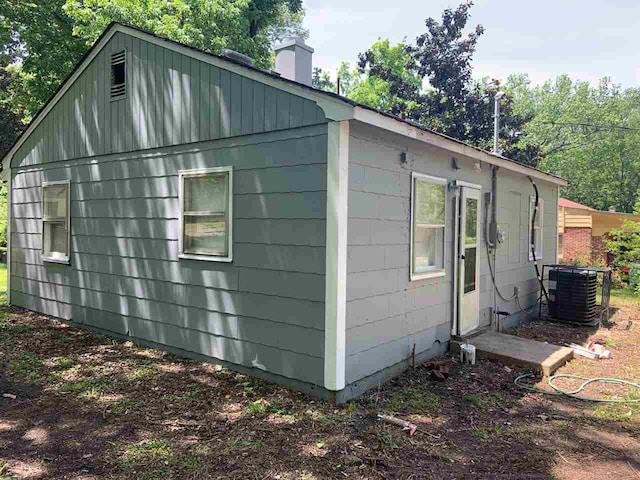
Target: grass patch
126, 406
9, 327
488, 433
263, 407
88, 387
388, 440
149, 452
485, 401
3, 277
236, 445
412, 400
620, 412
65, 362
625, 295
26, 366
191, 396
144, 373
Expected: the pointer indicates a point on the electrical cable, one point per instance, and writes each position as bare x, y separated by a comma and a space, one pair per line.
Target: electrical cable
590, 125
532, 239
486, 244
574, 393
493, 278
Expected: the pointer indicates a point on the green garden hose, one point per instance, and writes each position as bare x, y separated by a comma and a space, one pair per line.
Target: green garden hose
574, 393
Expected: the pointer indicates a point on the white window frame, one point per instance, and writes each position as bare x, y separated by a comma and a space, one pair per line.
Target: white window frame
540, 214
431, 273
182, 174
66, 259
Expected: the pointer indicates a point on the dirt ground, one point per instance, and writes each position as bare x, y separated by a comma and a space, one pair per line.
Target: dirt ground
89, 407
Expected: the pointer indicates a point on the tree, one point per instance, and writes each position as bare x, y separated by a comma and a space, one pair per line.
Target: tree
624, 243
452, 104
390, 83
10, 124
48, 37
588, 135
321, 80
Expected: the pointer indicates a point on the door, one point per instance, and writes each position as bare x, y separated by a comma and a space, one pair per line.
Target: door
469, 260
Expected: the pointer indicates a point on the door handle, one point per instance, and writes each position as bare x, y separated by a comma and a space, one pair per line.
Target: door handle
461, 257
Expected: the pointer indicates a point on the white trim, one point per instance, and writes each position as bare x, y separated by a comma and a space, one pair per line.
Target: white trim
460, 183
60, 260
413, 276
431, 138
9, 209
182, 174
540, 214
336, 256
461, 214
66, 260
558, 252
456, 268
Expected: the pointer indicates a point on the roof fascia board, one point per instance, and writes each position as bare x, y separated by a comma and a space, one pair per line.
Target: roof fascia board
96, 49
334, 108
613, 214
387, 123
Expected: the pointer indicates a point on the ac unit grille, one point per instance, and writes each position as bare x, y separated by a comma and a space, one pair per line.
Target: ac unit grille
573, 296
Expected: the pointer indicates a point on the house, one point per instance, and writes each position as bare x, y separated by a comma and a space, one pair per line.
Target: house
582, 231
194, 203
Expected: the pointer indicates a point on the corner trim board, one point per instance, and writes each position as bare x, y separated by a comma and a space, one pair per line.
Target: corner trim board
336, 256
9, 232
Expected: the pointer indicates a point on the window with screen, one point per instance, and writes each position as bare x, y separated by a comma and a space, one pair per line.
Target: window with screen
206, 218
55, 222
537, 228
428, 204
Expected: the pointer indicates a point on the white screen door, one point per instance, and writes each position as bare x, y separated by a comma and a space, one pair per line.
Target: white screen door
469, 260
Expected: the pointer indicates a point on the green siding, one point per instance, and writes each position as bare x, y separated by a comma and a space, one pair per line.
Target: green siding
265, 309
171, 99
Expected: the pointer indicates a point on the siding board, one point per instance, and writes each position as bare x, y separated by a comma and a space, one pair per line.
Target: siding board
125, 275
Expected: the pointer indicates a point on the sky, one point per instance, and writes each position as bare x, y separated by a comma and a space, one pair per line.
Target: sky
585, 39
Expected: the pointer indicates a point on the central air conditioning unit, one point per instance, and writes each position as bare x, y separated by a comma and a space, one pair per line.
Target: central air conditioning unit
578, 295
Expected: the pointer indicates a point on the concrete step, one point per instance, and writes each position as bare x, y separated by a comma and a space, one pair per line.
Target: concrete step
518, 351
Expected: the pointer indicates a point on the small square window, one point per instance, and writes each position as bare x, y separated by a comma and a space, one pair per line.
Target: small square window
205, 220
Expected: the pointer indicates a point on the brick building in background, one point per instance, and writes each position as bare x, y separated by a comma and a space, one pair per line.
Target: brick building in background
582, 231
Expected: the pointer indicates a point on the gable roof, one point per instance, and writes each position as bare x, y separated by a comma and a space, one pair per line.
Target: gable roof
563, 202
336, 107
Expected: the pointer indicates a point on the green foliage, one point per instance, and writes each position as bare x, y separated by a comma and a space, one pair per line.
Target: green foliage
322, 80
624, 243
47, 38
413, 400
382, 67
453, 104
3, 213
589, 135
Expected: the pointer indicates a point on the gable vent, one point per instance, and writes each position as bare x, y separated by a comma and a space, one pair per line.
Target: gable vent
118, 75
